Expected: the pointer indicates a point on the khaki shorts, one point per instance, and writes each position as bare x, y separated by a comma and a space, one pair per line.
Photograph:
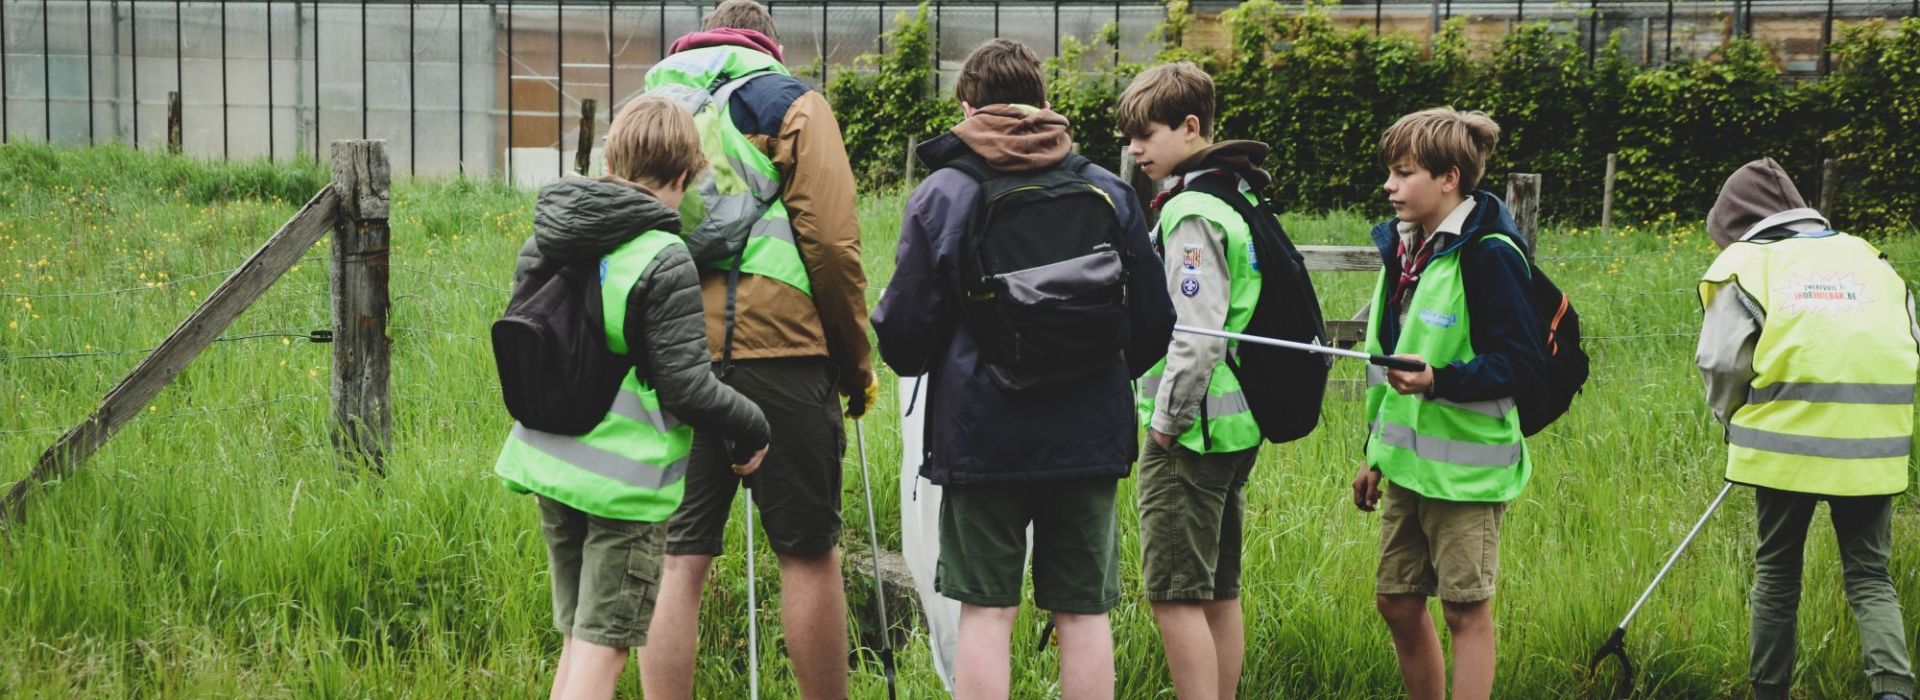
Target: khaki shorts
606, 574
1438, 548
1192, 507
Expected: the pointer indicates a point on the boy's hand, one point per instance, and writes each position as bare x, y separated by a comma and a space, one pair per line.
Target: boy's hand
1366, 489
858, 403
1164, 440
1411, 382
753, 464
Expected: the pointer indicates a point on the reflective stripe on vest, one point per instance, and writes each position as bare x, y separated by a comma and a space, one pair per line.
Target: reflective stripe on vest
743, 178
1457, 451
1830, 409
632, 466
1229, 425
1496, 408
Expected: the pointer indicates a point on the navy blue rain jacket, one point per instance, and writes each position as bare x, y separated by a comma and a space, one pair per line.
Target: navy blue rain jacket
1503, 329
976, 432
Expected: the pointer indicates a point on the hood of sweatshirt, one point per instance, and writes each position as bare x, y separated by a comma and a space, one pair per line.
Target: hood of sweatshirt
578, 219
1242, 158
1011, 138
728, 36
1756, 192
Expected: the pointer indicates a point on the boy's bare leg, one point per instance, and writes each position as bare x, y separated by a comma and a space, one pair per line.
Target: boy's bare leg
560, 670
1471, 625
1192, 656
813, 615
983, 662
591, 670
1086, 656
1423, 669
1229, 643
666, 662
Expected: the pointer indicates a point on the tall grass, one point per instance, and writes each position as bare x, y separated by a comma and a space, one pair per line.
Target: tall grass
213, 548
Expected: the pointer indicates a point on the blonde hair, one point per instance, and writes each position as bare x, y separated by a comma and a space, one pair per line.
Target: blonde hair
1167, 94
653, 142
1441, 139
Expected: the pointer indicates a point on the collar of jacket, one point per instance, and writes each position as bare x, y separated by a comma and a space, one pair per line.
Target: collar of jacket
1240, 157
1489, 216
1789, 217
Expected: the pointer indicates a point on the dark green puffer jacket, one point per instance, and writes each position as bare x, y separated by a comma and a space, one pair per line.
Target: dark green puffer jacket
582, 220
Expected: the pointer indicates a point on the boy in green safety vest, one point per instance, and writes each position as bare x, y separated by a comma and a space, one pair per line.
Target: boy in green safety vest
605, 496
1809, 350
1444, 444
1202, 436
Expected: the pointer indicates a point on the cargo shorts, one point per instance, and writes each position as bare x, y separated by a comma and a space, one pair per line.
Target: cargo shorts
606, 574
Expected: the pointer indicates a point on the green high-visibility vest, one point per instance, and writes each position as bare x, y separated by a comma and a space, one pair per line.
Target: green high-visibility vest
632, 466
1229, 425
1439, 448
743, 179
1830, 410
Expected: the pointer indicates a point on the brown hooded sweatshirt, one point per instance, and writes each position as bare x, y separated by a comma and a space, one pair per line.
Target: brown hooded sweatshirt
1016, 138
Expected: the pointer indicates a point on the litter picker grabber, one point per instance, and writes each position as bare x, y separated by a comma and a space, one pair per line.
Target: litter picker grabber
753, 609
1616, 643
879, 584
1381, 360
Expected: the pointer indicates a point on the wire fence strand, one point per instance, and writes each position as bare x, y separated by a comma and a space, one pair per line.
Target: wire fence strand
147, 287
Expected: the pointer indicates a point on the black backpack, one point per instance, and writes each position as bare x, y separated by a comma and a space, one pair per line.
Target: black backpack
1284, 388
1567, 363
556, 372
1044, 273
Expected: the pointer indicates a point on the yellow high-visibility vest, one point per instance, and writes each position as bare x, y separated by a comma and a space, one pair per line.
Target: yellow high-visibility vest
1830, 409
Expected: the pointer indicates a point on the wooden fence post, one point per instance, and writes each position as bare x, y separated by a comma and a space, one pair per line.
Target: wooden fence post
173, 122
907, 176
1523, 197
1143, 186
583, 158
1606, 197
1829, 183
363, 427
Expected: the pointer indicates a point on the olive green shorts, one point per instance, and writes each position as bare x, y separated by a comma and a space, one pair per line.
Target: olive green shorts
1192, 507
983, 545
606, 574
1438, 548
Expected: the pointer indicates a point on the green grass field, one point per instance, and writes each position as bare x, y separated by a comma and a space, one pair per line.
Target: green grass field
213, 548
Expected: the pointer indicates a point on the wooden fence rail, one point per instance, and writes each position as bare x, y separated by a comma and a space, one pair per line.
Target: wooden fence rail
356, 210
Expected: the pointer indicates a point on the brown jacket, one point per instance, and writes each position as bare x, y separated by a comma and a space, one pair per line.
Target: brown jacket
772, 319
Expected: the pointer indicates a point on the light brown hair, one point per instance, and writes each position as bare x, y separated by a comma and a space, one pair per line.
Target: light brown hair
653, 142
1441, 139
1001, 71
742, 14
1167, 94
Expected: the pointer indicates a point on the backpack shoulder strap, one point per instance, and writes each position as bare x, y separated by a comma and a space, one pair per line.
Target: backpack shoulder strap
975, 167
1227, 190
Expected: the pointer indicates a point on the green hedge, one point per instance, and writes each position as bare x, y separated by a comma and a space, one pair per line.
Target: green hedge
1321, 94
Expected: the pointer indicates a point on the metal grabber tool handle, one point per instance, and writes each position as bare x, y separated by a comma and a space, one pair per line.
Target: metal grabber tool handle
879, 584
1615, 645
753, 607
1386, 361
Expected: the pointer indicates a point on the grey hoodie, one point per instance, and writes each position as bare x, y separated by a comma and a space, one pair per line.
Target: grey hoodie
1758, 202
578, 219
